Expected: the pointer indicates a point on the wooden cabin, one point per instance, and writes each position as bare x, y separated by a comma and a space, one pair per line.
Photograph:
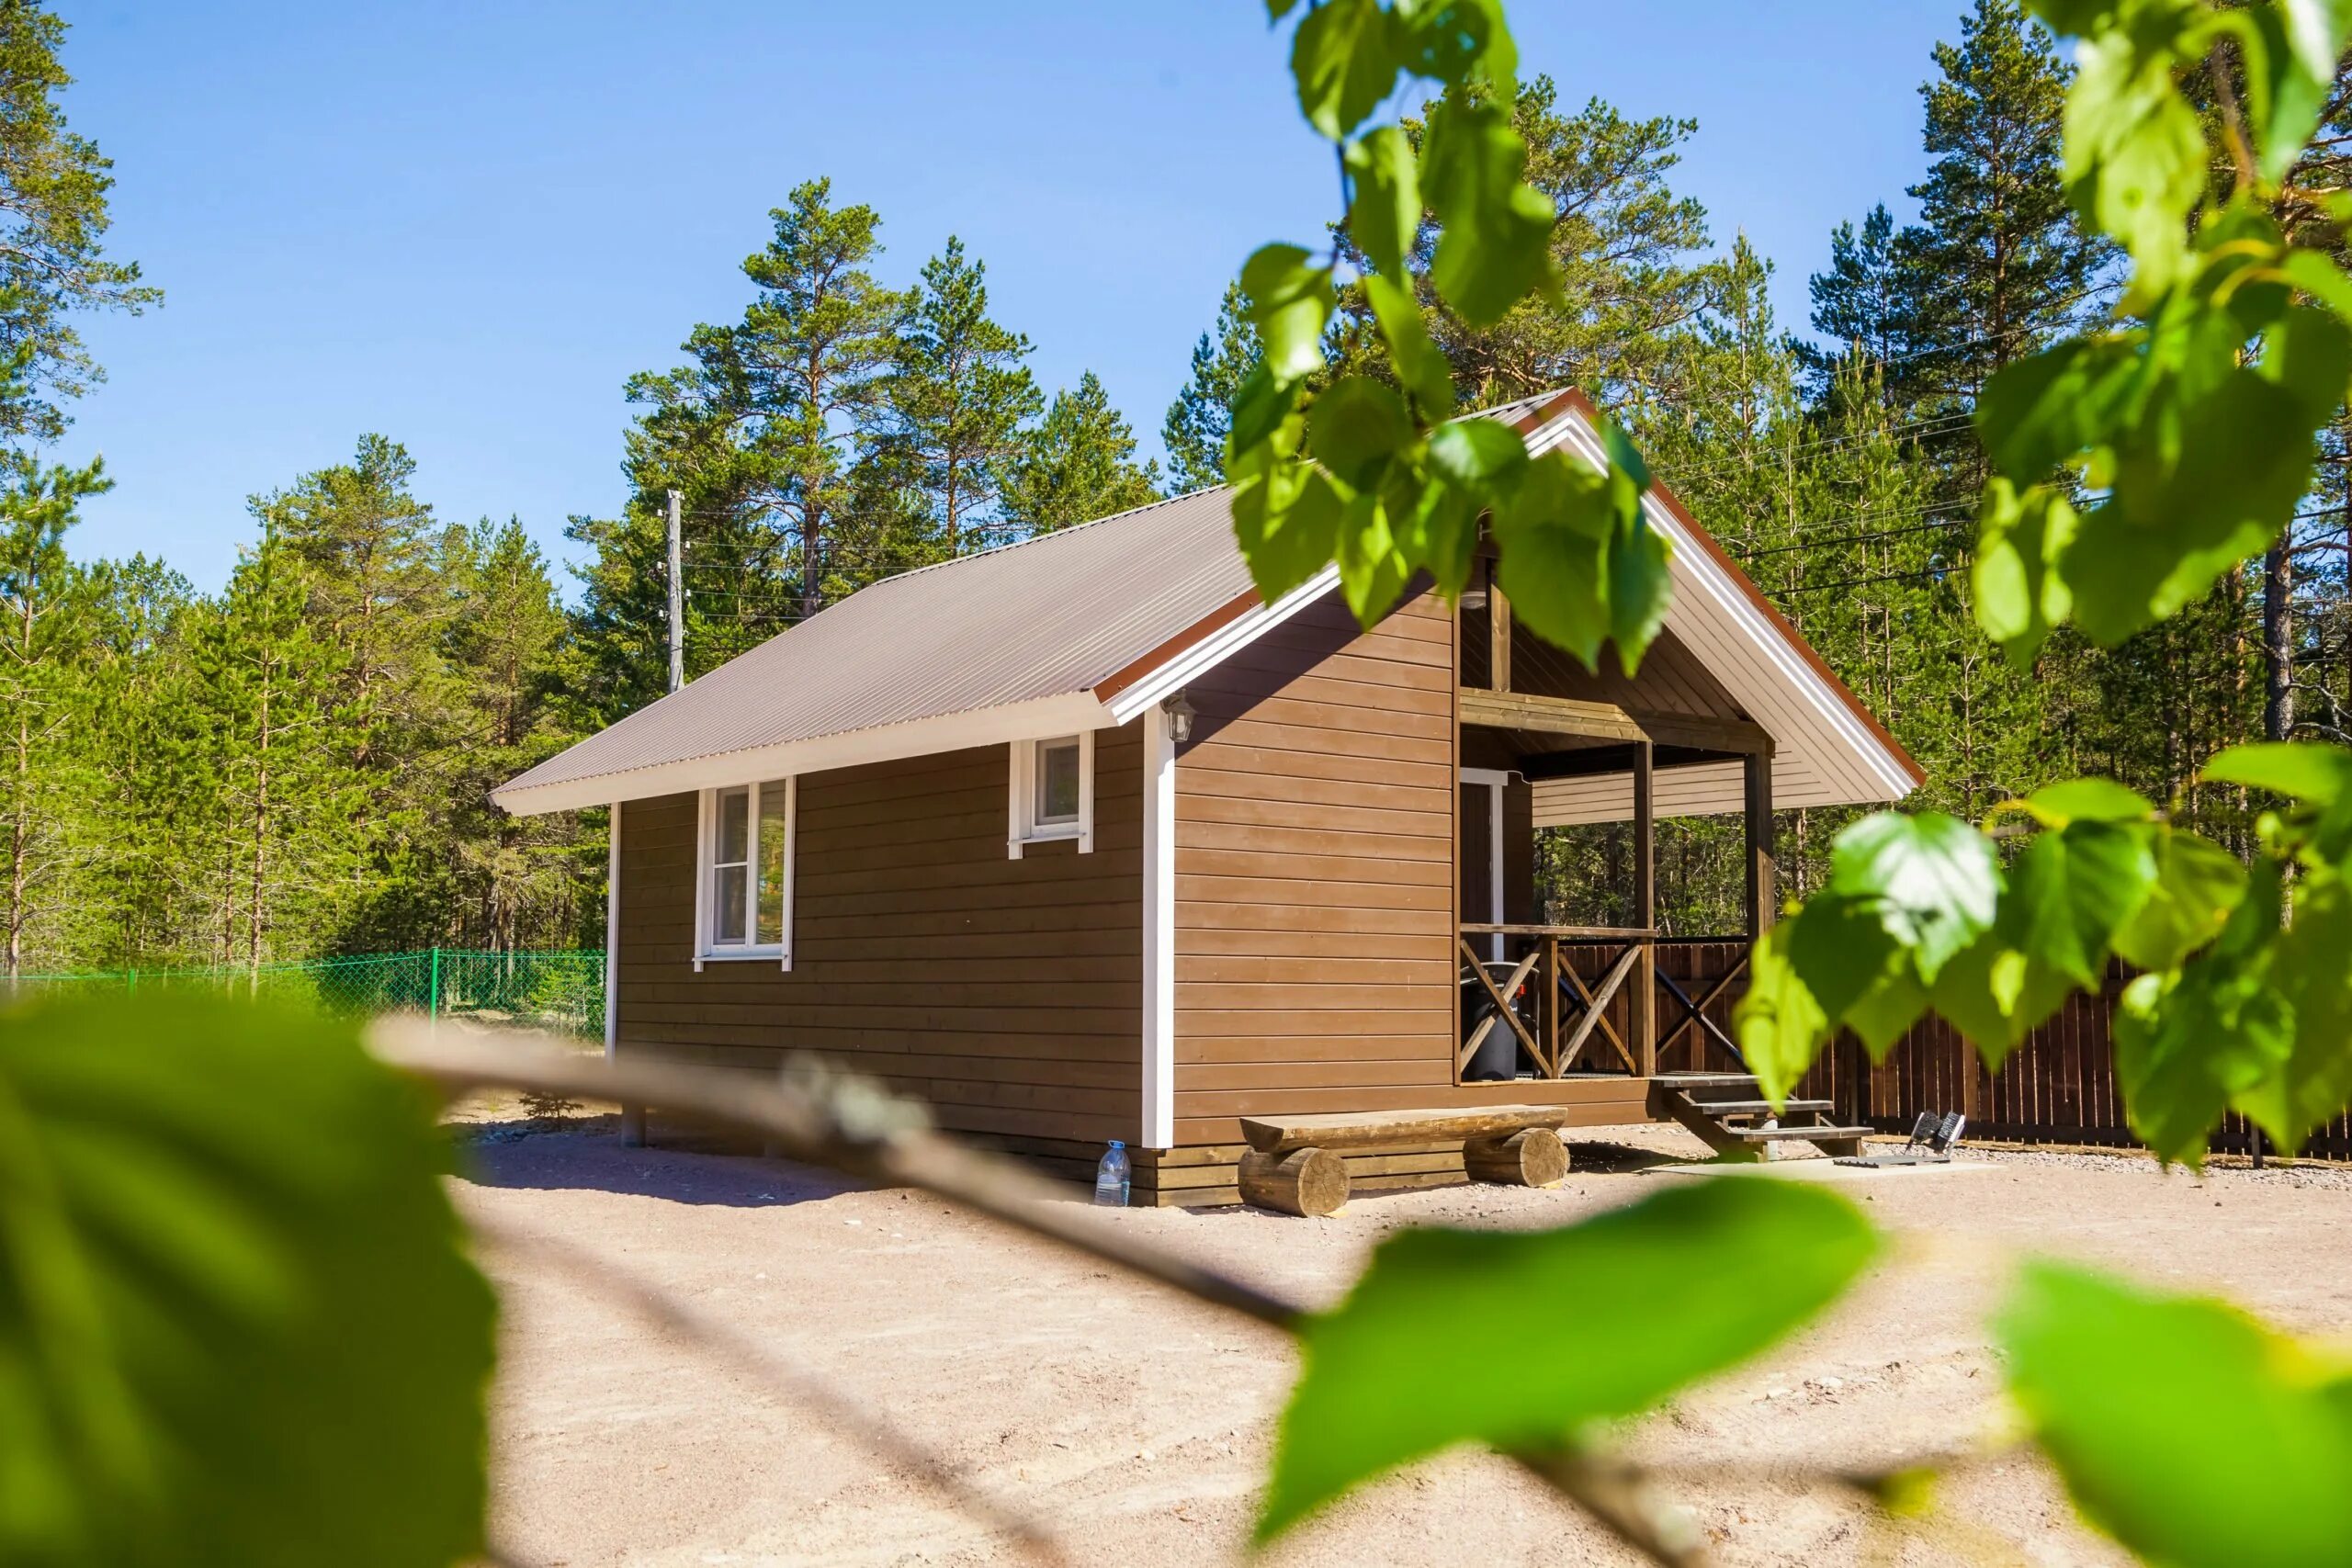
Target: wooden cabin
1078, 840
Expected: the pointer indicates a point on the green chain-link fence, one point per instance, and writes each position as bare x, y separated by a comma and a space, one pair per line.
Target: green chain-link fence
559, 991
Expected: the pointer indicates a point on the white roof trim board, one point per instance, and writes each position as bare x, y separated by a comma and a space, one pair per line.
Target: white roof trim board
1826, 753
1087, 628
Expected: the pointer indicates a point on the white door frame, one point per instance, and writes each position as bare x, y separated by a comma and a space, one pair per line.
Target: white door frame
1492, 780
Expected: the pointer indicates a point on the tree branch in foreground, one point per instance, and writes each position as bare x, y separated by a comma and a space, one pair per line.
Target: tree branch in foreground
845, 1124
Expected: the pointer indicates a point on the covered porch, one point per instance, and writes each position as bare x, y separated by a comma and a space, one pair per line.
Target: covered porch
1544, 744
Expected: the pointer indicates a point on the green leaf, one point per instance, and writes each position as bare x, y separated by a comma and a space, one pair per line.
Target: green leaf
1930, 877
1698, 1278
1371, 571
1495, 248
2021, 595
239, 1326
1460, 41
2136, 152
2192, 1434
1386, 211
1286, 519
1841, 950
1779, 1023
2188, 1044
1481, 455
1639, 587
2312, 967
2292, 69
2040, 411
1435, 523
2069, 892
1421, 367
2185, 511
1290, 300
1979, 991
2196, 886
1265, 414
2088, 800
1356, 427
2316, 775
1344, 58
1553, 531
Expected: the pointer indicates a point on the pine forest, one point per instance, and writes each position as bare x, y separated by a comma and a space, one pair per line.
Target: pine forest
299, 765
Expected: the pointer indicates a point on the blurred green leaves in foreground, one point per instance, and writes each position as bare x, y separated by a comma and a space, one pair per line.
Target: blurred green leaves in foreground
1374, 473
237, 1325
2190, 1432
1689, 1281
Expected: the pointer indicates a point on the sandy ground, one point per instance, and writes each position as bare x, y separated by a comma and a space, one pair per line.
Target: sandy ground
1138, 1426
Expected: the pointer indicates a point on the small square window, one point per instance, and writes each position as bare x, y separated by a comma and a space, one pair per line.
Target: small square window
1057, 781
1051, 793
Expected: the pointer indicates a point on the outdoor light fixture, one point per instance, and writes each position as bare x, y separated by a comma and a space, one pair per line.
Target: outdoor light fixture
1180, 718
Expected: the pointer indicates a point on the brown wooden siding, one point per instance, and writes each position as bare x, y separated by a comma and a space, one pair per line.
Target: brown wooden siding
1005, 994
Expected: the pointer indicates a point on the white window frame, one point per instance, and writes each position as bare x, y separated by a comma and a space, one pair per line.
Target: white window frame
1022, 826
707, 950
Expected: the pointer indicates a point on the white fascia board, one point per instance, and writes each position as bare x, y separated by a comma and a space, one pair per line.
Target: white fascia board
1219, 645
1696, 573
1070, 712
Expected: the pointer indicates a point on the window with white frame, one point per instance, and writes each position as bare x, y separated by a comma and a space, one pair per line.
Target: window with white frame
1051, 792
744, 910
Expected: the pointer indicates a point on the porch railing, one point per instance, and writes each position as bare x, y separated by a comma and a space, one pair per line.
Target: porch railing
1607, 1000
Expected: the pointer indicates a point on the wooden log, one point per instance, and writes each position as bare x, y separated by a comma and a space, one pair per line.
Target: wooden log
1307, 1182
1371, 1128
1535, 1157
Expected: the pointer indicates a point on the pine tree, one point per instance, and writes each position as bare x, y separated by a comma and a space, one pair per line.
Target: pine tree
136, 665
1867, 305
1078, 465
1202, 415
958, 395
2004, 264
54, 186
45, 614
273, 808
513, 881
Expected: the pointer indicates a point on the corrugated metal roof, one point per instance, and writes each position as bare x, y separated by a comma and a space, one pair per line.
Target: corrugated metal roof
1059, 615
1051, 616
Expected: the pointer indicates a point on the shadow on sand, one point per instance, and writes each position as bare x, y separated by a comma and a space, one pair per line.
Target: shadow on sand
585, 1154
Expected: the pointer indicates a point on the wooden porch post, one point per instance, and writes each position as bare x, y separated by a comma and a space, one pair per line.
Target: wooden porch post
1763, 870
1498, 634
1643, 1017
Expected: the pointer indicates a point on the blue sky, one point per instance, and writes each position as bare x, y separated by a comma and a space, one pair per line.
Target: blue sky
464, 225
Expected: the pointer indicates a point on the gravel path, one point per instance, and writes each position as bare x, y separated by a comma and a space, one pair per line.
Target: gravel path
1139, 1424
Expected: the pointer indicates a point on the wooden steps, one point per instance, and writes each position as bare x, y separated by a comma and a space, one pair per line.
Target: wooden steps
1721, 1108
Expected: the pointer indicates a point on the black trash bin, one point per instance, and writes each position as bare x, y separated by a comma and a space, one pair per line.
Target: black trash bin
1500, 1054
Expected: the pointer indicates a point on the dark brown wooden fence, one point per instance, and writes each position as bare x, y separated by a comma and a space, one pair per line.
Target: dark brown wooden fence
2057, 1087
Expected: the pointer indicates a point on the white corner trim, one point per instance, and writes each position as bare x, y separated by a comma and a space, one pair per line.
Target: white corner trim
1214, 648
1070, 712
613, 933
1159, 931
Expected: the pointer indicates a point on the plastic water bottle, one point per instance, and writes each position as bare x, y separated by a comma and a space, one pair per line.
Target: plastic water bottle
1110, 1177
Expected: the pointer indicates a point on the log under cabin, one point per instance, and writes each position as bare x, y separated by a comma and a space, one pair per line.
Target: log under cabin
1079, 839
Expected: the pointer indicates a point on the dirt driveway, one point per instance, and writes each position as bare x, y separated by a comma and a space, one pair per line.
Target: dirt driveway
1139, 1424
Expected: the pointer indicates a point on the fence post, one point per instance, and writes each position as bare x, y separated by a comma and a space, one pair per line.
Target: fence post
432, 989
134, 983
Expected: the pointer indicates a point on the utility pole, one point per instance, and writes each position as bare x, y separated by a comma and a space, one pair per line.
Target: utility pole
677, 599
